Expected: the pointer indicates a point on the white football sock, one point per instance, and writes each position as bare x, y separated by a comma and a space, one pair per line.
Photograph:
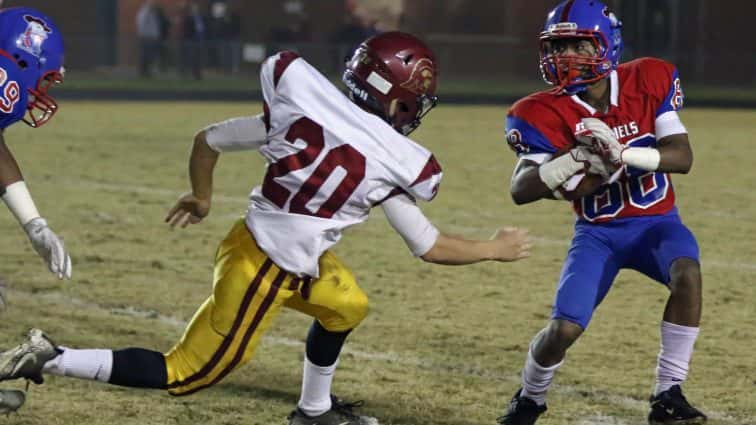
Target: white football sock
676, 350
95, 365
316, 388
536, 379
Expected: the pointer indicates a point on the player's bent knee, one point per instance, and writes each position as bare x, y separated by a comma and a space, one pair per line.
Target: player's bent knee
563, 333
685, 276
357, 309
351, 312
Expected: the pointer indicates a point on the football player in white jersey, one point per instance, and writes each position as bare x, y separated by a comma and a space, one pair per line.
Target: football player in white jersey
331, 158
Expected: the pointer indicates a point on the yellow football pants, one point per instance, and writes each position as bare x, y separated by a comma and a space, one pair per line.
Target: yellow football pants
248, 291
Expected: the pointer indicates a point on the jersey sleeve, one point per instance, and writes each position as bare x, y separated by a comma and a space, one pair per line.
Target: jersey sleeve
409, 221
410, 168
236, 134
13, 96
662, 83
425, 185
533, 129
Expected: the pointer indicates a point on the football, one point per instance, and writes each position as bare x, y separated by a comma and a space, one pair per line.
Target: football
588, 183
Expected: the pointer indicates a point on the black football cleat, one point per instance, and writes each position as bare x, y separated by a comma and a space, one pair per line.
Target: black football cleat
521, 411
341, 413
671, 407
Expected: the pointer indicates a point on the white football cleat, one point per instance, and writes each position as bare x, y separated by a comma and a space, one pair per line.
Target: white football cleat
27, 359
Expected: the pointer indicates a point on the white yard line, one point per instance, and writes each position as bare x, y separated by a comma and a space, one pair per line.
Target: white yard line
463, 369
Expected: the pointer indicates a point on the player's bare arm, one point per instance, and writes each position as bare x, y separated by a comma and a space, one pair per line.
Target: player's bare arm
676, 155
526, 185
9, 171
235, 134
507, 244
192, 207
17, 198
427, 242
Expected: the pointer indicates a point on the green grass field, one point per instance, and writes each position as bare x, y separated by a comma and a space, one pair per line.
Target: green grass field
441, 346
96, 82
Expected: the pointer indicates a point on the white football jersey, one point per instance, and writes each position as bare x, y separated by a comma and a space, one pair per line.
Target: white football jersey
329, 163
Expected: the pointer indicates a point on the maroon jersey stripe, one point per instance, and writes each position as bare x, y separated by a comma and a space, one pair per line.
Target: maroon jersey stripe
432, 167
394, 192
266, 115
284, 60
221, 351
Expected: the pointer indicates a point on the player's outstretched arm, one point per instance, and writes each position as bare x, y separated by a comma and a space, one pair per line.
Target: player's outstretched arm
16, 196
192, 207
507, 244
235, 134
426, 242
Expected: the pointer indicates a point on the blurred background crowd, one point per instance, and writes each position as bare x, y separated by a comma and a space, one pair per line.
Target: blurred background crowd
480, 43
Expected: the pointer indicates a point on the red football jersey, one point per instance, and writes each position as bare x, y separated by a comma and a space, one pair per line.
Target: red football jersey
642, 91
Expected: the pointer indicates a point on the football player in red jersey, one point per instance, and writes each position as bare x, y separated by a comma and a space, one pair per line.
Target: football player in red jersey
620, 126
31, 61
331, 159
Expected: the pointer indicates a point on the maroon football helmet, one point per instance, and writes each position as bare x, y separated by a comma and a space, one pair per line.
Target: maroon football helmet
393, 75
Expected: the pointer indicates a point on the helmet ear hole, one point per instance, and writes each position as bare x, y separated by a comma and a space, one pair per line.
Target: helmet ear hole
403, 107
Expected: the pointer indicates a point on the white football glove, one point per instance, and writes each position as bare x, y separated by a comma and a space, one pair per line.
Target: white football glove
49, 247
594, 164
600, 138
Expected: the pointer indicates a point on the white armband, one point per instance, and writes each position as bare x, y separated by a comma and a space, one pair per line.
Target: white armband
409, 221
20, 203
668, 124
644, 158
236, 134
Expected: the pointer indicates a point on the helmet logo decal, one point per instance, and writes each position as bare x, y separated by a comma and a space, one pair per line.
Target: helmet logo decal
36, 33
612, 17
421, 78
514, 140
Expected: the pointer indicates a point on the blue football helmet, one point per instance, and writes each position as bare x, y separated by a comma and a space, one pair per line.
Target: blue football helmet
34, 42
589, 20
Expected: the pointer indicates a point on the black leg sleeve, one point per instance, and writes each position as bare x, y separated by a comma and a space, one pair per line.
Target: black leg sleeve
139, 368
323, 346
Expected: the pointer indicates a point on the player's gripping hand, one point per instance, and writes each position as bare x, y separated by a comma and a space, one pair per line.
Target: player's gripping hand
600, 138
49, 247
511, 244
594, 163
188, 210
